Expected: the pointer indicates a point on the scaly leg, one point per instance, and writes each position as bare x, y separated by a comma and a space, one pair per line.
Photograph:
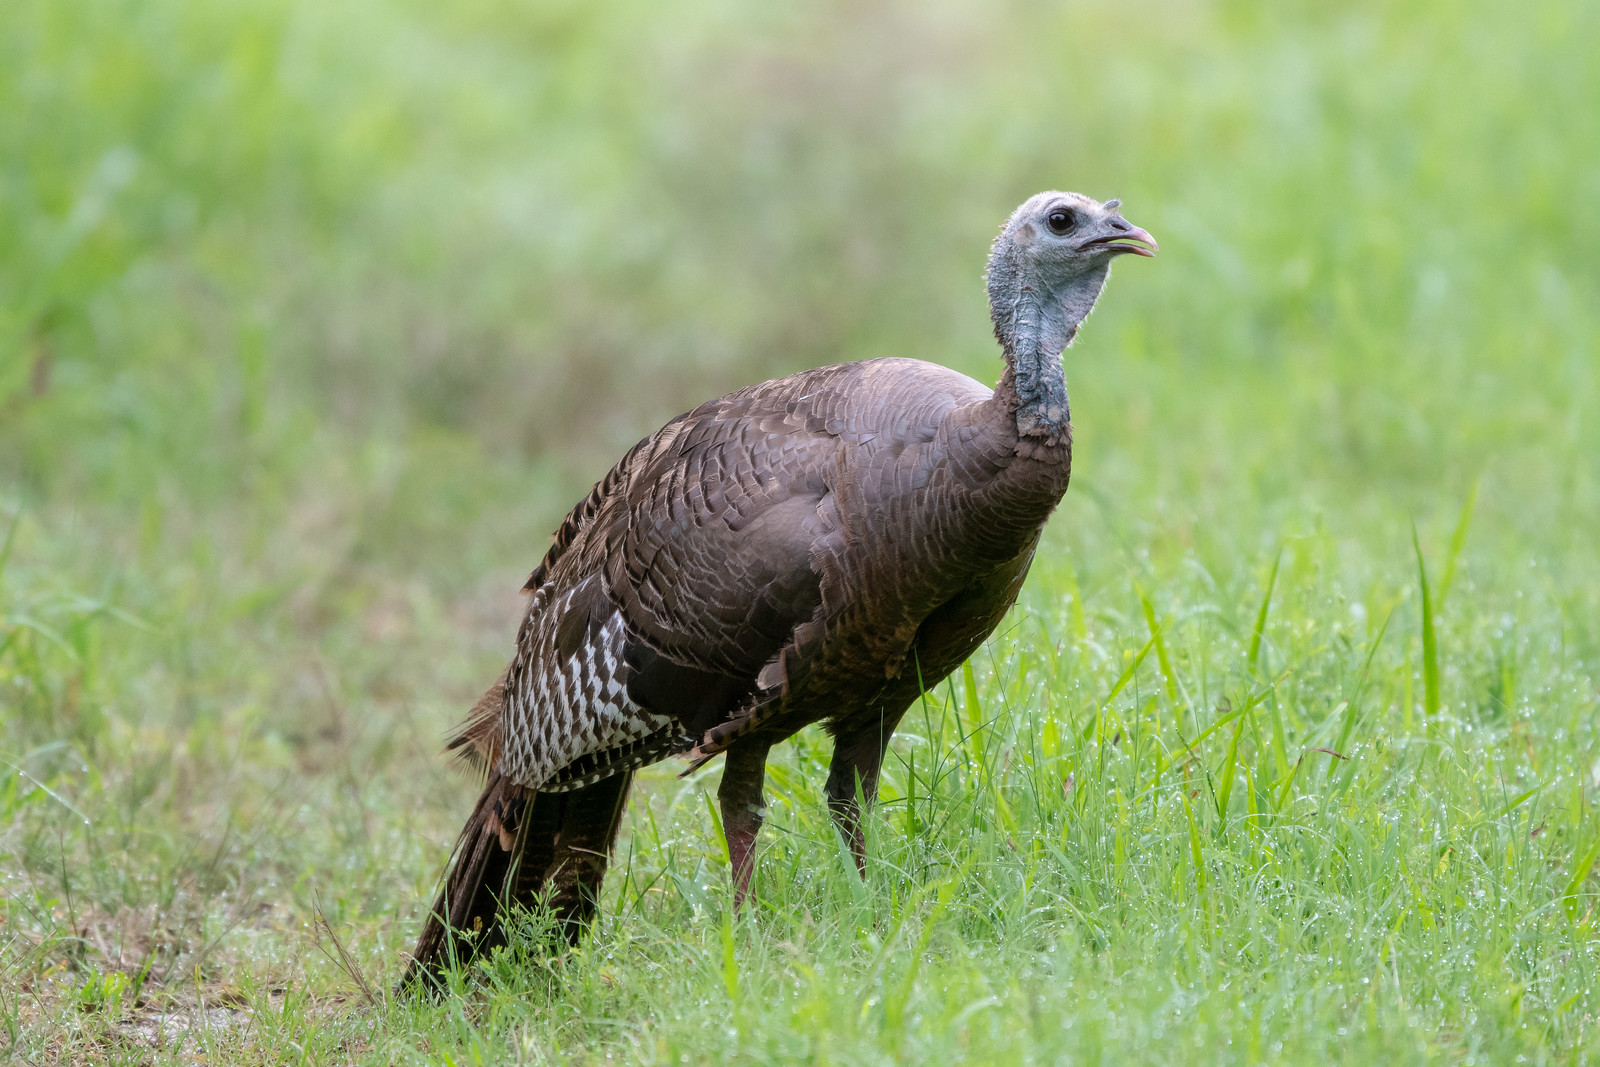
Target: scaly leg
857, 759
743, 809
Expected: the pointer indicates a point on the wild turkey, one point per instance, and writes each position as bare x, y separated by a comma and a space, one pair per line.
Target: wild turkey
812, 549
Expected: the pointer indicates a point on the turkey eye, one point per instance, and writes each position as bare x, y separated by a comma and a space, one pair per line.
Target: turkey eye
1061, 221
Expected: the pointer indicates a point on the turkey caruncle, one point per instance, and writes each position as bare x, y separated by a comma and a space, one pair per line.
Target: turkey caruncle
817, 548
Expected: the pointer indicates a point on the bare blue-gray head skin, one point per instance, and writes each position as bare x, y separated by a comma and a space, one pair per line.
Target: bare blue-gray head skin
1045, 272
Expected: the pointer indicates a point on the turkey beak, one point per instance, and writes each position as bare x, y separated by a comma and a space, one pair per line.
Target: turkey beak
1124, 236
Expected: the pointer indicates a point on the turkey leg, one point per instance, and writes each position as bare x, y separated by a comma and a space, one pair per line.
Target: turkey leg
744, 808
857, 759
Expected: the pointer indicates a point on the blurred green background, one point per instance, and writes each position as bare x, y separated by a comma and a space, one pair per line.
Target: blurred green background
239, 235
316, 317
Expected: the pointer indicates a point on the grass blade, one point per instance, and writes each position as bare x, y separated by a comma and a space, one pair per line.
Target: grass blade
730, 961
1254, 654
1121, 683
1580, 874
1457, 540
716, 828
1167, 674
1430, 642
1361, 684
1229, 767
969, 690
1194, 847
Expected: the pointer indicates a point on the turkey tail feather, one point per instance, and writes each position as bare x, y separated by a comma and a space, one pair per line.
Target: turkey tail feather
520, 849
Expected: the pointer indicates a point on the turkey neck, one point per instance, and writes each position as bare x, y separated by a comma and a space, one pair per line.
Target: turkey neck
1036, 312
1035, 319
1036, 316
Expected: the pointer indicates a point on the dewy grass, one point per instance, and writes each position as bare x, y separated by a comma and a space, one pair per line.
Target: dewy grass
315, 318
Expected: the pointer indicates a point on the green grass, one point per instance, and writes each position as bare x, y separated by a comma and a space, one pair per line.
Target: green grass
315, 318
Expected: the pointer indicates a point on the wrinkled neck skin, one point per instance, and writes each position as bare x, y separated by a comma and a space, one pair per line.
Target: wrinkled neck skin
1034, 322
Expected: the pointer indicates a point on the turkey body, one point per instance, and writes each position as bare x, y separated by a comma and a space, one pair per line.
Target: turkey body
814, 549
787, 554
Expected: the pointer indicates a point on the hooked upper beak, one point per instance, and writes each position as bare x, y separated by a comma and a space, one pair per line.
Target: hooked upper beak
1124, 236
